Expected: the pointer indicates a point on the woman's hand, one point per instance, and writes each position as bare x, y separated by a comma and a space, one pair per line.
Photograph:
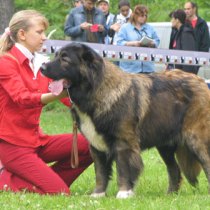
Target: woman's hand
85, 26
133, 43
150, 44
115, 27
49, 97
100, 28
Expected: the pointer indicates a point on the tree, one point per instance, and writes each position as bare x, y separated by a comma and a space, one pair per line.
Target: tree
7, 10
54, 10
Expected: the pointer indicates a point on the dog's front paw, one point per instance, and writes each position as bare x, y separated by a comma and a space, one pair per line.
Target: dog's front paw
125, 194
98, 195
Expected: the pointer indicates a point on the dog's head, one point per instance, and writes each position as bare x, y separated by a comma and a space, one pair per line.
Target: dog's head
77, 63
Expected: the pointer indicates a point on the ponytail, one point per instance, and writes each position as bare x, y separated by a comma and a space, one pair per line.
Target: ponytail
6, 41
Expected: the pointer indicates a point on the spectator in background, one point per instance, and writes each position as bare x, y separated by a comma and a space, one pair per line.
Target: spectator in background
77, 3
131, 33
103, 5
120, 19
184, 38
199, 25
86, 23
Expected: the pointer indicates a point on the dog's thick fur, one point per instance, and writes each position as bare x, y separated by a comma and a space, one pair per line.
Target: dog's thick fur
122, 114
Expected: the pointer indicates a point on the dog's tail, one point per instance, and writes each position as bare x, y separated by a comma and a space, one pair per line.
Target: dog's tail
188, 164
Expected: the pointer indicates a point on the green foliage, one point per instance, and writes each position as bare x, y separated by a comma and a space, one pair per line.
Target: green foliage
204, 10
57, 10
57, 105
159, 10
56, 118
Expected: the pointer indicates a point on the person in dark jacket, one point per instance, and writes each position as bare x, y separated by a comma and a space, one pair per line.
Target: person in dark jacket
86, 23
183, 38
199, 25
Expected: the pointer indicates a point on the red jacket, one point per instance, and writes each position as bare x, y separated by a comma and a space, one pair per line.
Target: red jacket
20, 101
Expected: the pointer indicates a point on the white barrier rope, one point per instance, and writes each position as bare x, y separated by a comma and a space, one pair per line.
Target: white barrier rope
157, 55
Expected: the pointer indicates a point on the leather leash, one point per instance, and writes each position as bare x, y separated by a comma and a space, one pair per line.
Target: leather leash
74, 148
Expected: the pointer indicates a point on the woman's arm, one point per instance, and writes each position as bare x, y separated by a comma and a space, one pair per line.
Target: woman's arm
155, 38
124, 39
15, 87
73, 27
133, 43
49, 97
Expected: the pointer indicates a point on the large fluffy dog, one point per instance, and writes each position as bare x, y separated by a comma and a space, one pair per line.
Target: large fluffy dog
122, 114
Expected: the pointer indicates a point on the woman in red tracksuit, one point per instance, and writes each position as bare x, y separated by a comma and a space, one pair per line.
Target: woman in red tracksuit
24, 149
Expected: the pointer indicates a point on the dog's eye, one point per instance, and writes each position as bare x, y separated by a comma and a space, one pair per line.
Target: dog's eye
64, 57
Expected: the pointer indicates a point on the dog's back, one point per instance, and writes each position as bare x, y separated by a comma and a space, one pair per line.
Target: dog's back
168, 108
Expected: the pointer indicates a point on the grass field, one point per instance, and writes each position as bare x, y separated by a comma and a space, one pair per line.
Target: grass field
150, 189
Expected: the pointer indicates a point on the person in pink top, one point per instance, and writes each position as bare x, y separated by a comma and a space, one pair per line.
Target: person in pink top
24, 149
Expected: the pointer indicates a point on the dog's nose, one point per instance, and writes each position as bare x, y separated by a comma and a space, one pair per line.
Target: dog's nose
43, 68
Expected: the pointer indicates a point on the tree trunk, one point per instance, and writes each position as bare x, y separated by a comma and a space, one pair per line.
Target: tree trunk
6, 11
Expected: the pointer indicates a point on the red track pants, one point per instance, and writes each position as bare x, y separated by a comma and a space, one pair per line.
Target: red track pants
26, 168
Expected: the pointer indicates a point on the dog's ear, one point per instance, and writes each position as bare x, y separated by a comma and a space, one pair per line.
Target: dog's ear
88, 56
92, 58
94, 64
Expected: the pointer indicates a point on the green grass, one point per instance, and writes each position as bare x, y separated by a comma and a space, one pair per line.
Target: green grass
150, 189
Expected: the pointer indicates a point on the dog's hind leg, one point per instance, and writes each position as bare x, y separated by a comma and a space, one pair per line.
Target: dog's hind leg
168, 155
129, 164
103, 171
188, 164
200, 147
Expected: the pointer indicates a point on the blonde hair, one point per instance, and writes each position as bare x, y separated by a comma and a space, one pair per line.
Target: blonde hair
20, 20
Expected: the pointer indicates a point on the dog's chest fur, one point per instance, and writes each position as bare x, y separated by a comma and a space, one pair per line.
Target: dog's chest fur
87, 128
